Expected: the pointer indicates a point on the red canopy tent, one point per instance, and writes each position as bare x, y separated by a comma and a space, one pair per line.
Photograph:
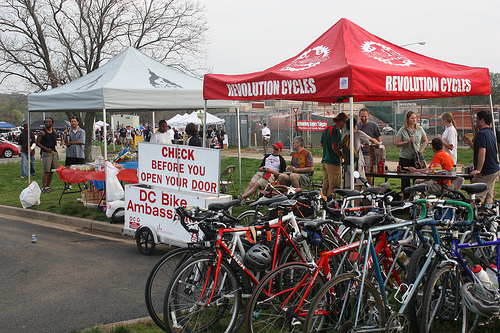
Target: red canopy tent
349, 63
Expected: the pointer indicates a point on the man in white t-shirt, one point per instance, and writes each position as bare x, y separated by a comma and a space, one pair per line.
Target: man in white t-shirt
170, 132
161, 136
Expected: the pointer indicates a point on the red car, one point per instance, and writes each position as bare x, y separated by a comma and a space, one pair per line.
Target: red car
8, 149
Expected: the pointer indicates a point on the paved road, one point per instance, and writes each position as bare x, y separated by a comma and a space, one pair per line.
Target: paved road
68, 279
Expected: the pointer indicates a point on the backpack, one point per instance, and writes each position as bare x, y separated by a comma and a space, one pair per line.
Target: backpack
345, 150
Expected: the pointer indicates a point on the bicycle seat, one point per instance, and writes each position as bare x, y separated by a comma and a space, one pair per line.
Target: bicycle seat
284, 204
268, 201
416, 188
377, 189
347, 192
364, 222
313, 224
218, 206
474, 188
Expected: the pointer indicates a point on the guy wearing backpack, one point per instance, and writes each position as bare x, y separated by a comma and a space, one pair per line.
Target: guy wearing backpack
331, 163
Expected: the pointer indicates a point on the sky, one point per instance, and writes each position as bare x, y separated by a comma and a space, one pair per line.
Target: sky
247, 36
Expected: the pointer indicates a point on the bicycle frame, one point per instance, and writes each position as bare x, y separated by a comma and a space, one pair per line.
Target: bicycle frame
222, 248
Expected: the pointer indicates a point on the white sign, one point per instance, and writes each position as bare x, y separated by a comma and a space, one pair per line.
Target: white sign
155, 209
178, 167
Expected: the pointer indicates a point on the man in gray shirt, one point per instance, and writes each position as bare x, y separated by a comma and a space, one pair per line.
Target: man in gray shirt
370, 128
75, 143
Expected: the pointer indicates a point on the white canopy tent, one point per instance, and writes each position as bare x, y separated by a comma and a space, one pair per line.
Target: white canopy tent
129, 81
195, 118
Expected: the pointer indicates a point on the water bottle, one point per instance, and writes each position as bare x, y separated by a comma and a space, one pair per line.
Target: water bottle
33, 238
99, 163
380, 167
482, 276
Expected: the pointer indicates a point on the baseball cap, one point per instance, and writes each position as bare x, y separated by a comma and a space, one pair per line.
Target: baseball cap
278, 145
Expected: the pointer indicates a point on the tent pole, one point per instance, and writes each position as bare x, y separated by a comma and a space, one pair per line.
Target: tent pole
492, 116
204, 126
29, 152
239, 139
105, 134
351, 136
153, 123
113, 133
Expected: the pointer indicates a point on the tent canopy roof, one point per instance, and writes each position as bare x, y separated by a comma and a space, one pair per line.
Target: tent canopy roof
129, 81
349, 61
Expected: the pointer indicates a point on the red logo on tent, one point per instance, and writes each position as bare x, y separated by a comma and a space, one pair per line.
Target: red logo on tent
385, 54
309, 58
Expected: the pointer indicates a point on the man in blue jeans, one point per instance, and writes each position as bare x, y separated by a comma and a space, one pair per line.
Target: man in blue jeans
25, 147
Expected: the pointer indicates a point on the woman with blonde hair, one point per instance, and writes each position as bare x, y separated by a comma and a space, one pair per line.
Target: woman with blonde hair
450, 135
410, 137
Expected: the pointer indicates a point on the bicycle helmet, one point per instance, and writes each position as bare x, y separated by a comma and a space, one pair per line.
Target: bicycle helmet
480, 300
258, 257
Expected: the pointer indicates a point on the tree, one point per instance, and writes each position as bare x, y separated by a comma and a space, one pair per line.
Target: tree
47, 43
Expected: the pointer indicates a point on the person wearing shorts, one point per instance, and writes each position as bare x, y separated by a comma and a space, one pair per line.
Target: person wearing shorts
301, 167
123, 136
47, 141
271, 167
331, 163
486, 166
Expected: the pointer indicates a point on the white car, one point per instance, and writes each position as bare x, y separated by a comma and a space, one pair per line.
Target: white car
387, 130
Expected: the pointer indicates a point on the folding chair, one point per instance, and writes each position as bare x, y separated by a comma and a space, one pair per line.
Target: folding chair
226, 179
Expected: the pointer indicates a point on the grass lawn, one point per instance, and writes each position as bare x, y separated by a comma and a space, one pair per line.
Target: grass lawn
11, 185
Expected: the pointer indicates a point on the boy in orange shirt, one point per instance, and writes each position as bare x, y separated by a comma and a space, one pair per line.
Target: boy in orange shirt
442, 158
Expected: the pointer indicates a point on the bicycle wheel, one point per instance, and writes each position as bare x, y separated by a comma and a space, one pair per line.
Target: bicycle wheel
158, 280
274, 305
335, 307
443, 309
248, 217
417, 261
189, 305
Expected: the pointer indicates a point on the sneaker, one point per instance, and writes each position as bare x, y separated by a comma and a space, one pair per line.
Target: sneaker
69, 188
22, 177
44, 190
48, 190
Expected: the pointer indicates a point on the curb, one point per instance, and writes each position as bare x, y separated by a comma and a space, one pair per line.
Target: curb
62, 219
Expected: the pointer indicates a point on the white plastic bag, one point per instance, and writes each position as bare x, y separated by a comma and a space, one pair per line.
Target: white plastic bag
114, 190
30, 196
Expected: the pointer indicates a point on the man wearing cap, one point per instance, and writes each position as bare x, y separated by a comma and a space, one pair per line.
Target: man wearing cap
25, 147
271, 167
301, 167
331, 163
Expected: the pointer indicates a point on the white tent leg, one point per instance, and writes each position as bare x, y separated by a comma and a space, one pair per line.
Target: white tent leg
29, 153
239, 140
105, 135
351, 136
